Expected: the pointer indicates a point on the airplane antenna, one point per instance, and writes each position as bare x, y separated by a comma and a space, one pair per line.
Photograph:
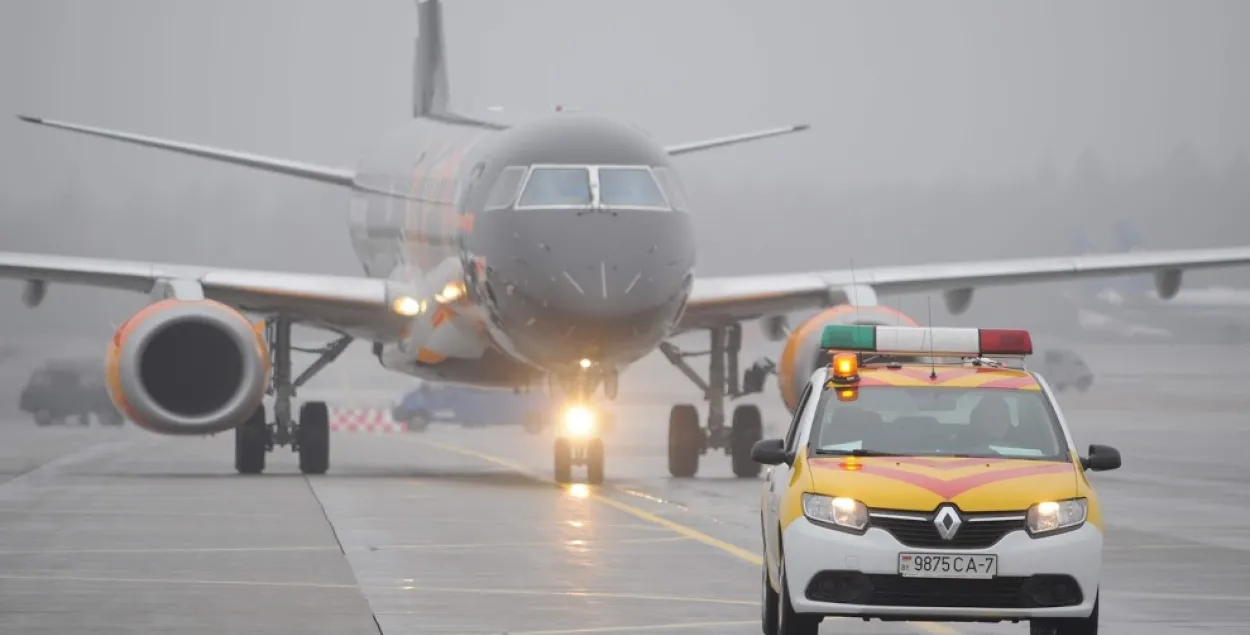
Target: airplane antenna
854, 291
932, 359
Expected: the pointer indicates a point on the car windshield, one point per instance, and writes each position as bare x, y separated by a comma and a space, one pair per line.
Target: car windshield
933, 421
557, 187
630, 187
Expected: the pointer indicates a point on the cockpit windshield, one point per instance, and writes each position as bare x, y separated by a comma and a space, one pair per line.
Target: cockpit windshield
557, 187
629, 187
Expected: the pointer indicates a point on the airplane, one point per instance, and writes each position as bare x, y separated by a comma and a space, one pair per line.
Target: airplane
552, 253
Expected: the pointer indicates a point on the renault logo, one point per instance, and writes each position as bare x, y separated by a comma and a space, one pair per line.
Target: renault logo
947, 522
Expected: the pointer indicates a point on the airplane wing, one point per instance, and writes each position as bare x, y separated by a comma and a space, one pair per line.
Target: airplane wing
718, 300
354, 305
719, 142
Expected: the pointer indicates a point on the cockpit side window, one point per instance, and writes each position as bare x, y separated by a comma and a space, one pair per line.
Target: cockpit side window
503, 192
630, 187
672, 188
557, 187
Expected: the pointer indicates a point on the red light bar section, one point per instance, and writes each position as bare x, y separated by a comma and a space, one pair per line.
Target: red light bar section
1006, 342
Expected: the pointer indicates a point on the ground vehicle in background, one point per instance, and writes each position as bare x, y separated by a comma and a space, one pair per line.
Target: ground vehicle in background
471, 407
1064, 369
69, 388
939, 489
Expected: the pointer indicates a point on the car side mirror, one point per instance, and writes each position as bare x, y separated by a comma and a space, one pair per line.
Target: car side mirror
1101, 458
771, 452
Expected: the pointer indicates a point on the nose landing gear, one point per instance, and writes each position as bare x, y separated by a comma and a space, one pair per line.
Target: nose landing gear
580, 425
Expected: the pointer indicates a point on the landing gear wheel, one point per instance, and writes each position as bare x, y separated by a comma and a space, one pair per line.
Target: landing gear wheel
563, 461
43, 418
314, 438
251, 442
84, 419
111, 418
1068, 625
769, 605
789, 622
594, 461
1083, 384
685, 441
748, 429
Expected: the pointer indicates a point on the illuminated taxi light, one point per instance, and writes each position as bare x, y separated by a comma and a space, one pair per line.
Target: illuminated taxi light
407, 306
922, 340
579, 490
585, 363
579, 421
450, 293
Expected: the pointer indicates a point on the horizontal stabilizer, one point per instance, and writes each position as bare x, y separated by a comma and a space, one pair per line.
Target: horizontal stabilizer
708, 144
336, 176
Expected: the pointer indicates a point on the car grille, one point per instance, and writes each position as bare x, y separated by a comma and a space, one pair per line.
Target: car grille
854, 587
974, 533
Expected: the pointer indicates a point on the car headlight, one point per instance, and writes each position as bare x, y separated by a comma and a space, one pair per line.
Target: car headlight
1051, 516
579, 421
844, 513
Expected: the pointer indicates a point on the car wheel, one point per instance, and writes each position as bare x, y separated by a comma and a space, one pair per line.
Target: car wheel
788, 621
769, 603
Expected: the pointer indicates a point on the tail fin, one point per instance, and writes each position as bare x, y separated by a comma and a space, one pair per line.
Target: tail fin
429, 69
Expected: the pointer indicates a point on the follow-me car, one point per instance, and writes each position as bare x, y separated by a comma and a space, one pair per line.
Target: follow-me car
924, 477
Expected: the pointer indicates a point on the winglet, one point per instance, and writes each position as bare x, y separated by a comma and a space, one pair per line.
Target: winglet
708, 144
29, 119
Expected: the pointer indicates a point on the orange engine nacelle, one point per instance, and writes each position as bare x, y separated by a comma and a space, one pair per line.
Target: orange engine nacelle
802, 354
187, 368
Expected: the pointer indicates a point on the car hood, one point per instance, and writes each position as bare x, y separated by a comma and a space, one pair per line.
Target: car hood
922, 483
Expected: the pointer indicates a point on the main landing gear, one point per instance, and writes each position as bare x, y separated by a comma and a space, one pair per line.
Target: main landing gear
580, 426
310, 434
687, 441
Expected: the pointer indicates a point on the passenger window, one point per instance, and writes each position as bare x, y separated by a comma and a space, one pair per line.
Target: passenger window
792, 436
630, 187
503, 193
671, 186
557, 187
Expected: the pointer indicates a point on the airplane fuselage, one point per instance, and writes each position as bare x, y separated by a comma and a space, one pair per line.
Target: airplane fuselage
549, 279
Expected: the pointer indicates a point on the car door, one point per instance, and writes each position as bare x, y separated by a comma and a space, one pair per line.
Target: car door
778, 481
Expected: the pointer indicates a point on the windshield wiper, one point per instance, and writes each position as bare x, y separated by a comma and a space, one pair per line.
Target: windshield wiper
858, 452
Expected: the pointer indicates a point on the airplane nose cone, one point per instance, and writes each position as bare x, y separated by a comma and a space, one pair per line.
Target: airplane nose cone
567, 284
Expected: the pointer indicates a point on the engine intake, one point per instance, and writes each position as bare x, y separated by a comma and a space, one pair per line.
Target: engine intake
187, 368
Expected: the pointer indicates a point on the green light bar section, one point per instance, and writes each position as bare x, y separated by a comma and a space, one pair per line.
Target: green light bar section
849, 337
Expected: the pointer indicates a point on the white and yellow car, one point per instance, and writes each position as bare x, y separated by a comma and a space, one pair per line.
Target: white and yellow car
925, 478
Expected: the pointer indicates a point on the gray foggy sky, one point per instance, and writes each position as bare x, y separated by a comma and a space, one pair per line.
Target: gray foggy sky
895, 90
899, 94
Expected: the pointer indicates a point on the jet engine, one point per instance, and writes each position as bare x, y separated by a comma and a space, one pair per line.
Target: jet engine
802, 353
188, 368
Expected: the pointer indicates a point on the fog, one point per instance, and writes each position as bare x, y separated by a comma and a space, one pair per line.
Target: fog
940, 131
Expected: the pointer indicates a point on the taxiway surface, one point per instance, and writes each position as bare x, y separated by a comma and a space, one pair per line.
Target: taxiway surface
458, 531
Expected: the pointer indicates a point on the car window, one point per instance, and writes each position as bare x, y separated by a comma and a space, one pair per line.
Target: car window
792, 436
557, 187
929, 421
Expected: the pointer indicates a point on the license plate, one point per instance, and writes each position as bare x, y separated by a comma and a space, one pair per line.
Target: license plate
947, 565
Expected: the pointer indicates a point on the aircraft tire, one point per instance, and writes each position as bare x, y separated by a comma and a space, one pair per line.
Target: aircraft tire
748, 429
685, 441
314, 438
594, 461
563, 455
251, 440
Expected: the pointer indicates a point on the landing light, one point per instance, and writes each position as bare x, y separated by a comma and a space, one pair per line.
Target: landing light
579, 421
585, 363
450, 293
408, 306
